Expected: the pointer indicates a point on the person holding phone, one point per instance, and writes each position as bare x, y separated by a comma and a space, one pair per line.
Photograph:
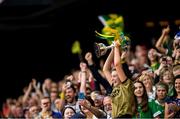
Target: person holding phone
86, 104
81, 96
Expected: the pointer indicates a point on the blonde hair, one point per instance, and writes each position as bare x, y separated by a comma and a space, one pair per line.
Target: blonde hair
163, 70
176, 67
141, 78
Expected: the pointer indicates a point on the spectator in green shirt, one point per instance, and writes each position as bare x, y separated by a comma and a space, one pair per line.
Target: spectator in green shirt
153, 56
144, 108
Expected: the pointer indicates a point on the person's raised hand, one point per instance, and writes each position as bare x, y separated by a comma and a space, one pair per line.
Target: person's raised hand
83, 66
124, 55
166, 30
64, 87
34, 82
88, 58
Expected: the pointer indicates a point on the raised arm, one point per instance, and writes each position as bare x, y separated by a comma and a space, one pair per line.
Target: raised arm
107, 66
83, 77
160, 42
37, 90
62, 96
97, 112
27, 93
117, 62
96, 74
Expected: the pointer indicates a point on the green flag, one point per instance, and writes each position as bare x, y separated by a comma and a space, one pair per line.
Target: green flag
76, 49
114, 21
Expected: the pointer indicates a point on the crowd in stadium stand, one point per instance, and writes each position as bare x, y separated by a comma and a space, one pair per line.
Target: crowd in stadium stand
140, 84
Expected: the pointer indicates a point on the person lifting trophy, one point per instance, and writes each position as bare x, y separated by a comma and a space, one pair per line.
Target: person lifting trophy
114, 35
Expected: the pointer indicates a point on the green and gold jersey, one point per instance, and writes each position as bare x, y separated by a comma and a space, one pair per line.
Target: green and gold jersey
122, 99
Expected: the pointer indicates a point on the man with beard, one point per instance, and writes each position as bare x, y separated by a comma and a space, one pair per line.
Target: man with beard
69, 97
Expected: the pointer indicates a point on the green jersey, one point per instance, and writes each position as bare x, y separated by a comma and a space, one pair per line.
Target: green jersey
150, 113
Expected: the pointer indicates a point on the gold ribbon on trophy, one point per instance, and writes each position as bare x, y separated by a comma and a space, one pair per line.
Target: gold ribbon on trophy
114, 35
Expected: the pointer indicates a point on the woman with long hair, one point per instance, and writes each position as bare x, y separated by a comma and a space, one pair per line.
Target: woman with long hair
148, 83
144, 107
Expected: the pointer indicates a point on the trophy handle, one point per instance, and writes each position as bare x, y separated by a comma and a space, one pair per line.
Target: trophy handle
101, 49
